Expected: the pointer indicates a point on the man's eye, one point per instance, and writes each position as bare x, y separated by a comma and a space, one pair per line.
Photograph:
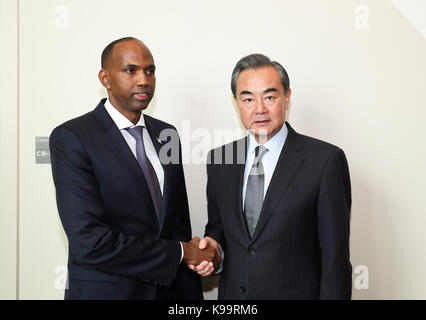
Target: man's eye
150, 72
248, 100
130, 70
270, 97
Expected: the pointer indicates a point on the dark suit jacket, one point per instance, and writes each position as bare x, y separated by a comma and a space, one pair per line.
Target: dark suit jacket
300, 248
117, 247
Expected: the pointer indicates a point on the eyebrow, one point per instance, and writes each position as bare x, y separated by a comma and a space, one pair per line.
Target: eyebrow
265, 91
130, 66
270, 90
136, 66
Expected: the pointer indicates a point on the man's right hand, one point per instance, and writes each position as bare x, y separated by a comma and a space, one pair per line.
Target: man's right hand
195, 253
206, 268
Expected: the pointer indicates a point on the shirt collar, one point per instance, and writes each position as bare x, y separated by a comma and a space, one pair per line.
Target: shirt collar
274, 145
119, 119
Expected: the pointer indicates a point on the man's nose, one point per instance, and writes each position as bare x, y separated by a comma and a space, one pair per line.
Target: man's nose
260, 106
142, 79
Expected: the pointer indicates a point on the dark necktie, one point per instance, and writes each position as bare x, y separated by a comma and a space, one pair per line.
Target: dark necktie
254, 190
148, 169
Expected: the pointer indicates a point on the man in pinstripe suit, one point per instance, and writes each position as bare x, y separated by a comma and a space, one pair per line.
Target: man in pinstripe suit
278, 201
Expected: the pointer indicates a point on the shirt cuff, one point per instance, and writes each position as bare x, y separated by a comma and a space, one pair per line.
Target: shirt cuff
181, 250
222, 255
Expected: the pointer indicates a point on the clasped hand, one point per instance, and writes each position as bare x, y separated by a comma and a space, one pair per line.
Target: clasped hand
202, 256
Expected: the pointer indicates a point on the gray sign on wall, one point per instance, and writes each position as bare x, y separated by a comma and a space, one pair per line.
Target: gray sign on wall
42, 150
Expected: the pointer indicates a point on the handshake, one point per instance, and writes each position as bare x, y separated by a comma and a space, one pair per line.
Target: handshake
202, 256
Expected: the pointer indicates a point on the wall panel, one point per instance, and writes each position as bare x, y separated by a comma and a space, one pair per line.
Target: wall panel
357, 74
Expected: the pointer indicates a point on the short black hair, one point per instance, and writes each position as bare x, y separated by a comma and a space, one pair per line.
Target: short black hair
106, 54
257, 61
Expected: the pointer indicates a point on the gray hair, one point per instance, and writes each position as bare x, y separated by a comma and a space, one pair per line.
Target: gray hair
257, 61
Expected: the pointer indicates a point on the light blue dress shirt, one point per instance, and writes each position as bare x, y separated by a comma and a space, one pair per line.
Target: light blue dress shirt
269, 159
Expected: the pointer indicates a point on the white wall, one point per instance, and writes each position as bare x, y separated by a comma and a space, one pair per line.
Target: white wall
8, 149
357, 77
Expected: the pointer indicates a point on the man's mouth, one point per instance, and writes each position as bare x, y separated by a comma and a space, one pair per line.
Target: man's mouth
261, 122
142, 96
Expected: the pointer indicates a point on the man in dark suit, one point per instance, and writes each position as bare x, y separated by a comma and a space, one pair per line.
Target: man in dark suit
124, 207
278, 201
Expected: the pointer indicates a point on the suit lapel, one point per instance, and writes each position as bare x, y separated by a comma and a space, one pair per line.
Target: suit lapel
236, 186
168, 173
288, 164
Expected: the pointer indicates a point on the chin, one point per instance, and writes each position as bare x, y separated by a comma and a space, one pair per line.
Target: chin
260, 132
141, 106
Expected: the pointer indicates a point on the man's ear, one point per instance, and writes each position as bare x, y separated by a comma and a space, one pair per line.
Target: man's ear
287, 99
103, 78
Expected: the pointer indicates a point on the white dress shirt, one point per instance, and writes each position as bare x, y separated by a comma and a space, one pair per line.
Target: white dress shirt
269, 159
123, 123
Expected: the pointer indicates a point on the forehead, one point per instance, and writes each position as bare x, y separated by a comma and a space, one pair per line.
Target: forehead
259, 80
131, 52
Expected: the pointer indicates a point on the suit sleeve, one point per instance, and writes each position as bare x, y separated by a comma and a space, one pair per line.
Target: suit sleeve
182, 227
187, 285
214, 228
334, 206
91, 240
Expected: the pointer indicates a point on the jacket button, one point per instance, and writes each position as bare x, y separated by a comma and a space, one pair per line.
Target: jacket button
251, 251
242, 289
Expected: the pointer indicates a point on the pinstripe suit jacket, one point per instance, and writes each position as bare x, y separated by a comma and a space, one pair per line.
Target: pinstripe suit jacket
300, 248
